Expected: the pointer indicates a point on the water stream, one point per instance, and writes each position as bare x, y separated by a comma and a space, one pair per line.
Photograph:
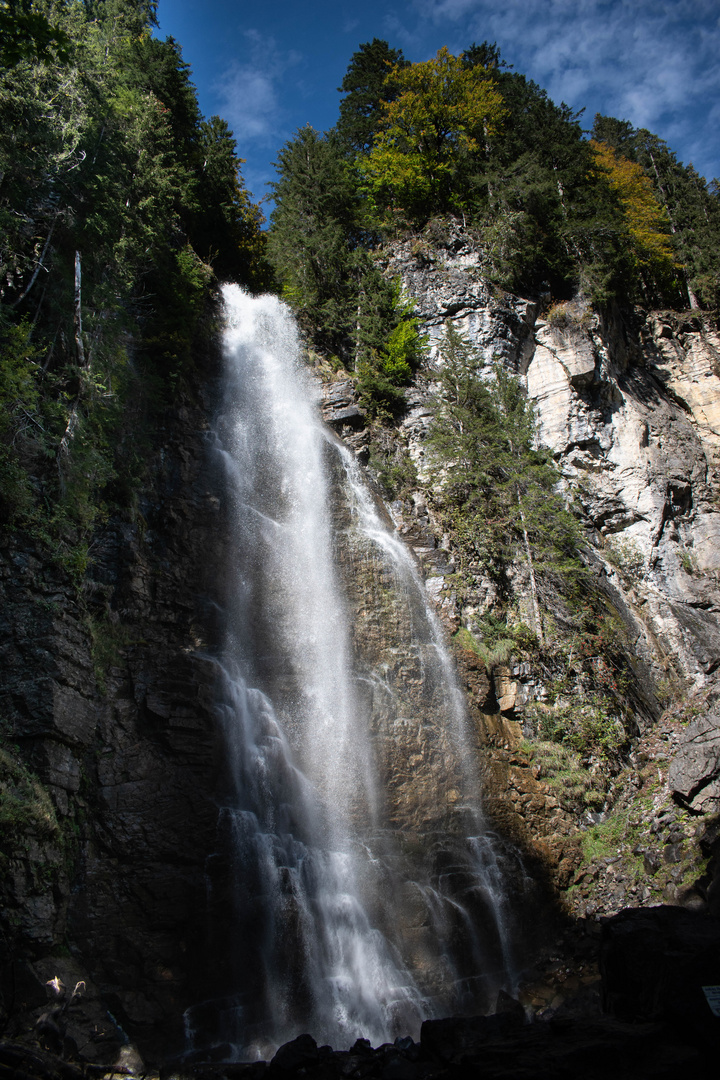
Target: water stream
355, 888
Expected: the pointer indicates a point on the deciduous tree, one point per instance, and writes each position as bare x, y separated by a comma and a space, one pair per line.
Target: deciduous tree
443, 114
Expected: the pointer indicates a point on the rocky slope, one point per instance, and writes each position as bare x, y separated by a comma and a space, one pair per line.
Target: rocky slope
629, 409
108, 762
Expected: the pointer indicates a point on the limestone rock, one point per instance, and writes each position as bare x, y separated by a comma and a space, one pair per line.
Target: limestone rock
694, 774
631, 415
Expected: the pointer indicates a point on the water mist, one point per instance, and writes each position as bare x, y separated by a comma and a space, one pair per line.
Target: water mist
355, 887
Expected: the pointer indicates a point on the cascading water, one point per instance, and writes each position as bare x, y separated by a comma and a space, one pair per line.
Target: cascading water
355, 890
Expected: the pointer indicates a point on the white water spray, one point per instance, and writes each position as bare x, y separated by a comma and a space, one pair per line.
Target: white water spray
355, 881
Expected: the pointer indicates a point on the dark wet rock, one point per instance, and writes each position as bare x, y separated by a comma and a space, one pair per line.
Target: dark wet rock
107, 700
694, 774
655, 961
458, 1038
298, 1054
351, 416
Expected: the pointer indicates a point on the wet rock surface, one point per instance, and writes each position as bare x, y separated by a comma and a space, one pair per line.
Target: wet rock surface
107, 703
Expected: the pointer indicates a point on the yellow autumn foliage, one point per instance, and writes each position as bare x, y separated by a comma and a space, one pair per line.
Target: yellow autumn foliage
647, 221
441, 113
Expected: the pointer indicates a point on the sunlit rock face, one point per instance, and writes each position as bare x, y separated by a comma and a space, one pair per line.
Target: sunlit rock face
631, 414
355, 884
636, 439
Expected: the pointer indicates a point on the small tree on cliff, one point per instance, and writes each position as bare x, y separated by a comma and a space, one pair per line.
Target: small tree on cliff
494, 487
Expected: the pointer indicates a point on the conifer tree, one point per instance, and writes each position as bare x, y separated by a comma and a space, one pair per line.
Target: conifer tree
314, 235
493, 485
367, 84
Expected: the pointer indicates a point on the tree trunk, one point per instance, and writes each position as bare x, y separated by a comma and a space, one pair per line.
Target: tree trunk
39, 266
531, 571
78, 313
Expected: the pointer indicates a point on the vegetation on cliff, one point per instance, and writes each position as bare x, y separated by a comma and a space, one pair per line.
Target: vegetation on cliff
551, 211
494, 486
571, 218
109, 246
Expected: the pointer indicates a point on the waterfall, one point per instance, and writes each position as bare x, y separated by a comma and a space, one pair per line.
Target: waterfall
355, 889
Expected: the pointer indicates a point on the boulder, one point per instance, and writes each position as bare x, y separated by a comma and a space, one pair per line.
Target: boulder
694, 775
297, 1054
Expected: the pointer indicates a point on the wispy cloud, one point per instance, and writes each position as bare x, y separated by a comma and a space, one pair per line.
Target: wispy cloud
251, 92
648, 61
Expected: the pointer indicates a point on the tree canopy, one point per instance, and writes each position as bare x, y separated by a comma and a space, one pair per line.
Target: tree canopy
441, 116
647, 221
108, 255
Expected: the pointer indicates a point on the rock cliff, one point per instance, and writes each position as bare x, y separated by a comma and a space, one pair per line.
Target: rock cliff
108, 760
628, 406
109, 752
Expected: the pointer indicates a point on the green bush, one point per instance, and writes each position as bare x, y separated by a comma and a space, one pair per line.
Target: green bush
25, 806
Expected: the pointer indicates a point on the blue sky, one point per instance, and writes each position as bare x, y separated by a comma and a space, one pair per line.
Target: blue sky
268, 69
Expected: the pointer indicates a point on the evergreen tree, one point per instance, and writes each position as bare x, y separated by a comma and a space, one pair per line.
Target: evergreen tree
26, 33
314, 237
368, 82
225, 226
493, 485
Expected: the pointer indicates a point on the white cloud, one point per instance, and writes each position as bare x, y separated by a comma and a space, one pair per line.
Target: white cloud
651, 62
250, 92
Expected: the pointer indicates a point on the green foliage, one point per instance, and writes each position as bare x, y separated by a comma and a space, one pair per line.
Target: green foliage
625, 554
25, 806
443, 113
568, 316
26, 33
492, 652
493, 485
225, 227
469, 138
103, 161
577, 789
109, 639
647, 222
495, 640
385, 372
368, 83
311, 238
691, 204
589, 726
606, 840
317, 247
394, 468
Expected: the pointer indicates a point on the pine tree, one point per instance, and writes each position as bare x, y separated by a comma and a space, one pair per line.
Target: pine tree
493, 485
367, 84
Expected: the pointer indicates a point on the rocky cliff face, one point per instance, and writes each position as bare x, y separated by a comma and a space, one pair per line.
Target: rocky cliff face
108, 756
631, 416
629, 409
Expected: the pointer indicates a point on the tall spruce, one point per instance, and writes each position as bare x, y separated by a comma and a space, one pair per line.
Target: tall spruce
368, 82
314, 237
492, 483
